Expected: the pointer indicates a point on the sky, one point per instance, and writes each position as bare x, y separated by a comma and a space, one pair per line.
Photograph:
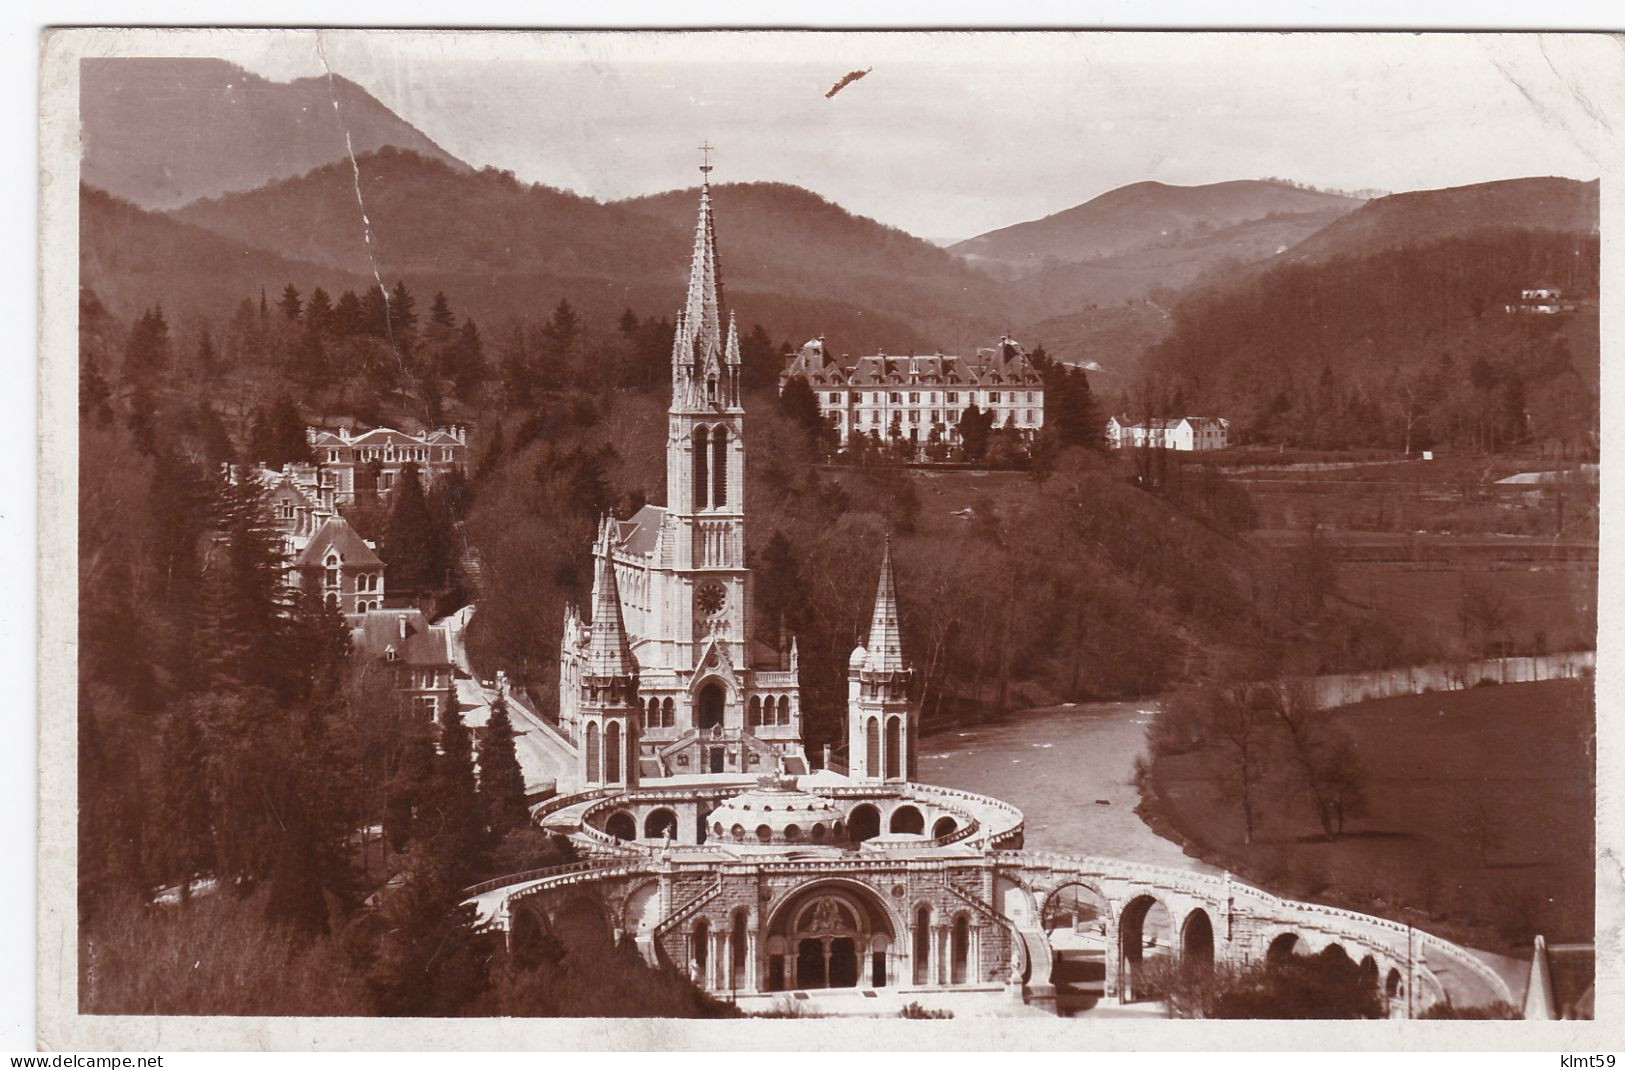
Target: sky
953, 134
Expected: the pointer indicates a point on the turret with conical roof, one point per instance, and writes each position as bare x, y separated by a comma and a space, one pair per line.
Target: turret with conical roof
885, 649
609, 681
609, 653
881, 721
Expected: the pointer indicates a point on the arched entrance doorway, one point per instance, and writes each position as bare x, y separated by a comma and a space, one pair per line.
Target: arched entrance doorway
710, 706
832, 934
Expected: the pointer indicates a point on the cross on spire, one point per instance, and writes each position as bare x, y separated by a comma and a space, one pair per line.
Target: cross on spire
705, 156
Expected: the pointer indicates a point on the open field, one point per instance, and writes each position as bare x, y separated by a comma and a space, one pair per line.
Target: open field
1480, 821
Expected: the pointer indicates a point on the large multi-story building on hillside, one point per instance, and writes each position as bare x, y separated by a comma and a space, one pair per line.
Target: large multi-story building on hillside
890, 398
349, 459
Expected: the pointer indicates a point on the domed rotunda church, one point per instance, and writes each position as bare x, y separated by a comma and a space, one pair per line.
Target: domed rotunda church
711, 841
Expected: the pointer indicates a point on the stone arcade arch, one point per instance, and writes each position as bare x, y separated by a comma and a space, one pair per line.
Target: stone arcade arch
1145, 934
660, 821
1196, 941
830, 934
945, 826
959, 950
622, 825
1284, 945
922, 944
907, 819
863, 823
1077, 920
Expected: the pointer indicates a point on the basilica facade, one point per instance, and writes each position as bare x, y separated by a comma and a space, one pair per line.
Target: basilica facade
668, 677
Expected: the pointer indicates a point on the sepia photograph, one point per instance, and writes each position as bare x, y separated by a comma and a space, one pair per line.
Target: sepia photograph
1065, 531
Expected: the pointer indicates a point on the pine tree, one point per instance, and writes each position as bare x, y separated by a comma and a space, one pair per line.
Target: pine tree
455, 825
208, 361
407, 784
403, 321
94, 395
319, 313
184, 828
469, 370
780, 593
518, 370
441, 321
413, 545
146, 351
290, 304
241, 638
349, 318
502, 782
375, 312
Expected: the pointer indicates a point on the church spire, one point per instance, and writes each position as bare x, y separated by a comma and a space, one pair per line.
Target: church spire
609, 653
697, 349
885, 650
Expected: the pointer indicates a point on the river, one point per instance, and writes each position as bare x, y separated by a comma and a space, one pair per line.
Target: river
1069, 768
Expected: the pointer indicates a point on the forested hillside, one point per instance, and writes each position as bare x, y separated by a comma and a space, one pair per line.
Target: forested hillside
795, 263
1409, 346
1140, 215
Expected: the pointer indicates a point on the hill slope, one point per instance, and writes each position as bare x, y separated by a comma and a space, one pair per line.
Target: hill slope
131, 258
789, 240
1140, 215
162, 132
795, 263
1560, 204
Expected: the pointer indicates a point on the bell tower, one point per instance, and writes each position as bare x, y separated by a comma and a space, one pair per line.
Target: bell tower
705, 451
881, 722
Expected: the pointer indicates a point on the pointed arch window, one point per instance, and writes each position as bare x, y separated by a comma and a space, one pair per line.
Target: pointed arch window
612, 753
592, 752
871, 763
719, 465
894, 747
702, 457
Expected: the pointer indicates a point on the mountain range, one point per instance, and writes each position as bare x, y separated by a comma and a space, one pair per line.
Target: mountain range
223, 183
161, 132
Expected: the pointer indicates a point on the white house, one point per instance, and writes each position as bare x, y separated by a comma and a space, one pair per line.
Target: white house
1187, 433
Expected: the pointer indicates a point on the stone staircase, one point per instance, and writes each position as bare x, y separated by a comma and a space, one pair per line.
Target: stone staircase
688, 909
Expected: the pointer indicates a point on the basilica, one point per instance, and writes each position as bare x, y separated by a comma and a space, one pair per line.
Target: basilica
712, 843
669, 677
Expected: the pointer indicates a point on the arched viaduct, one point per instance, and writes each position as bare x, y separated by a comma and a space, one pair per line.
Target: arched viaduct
961, 918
